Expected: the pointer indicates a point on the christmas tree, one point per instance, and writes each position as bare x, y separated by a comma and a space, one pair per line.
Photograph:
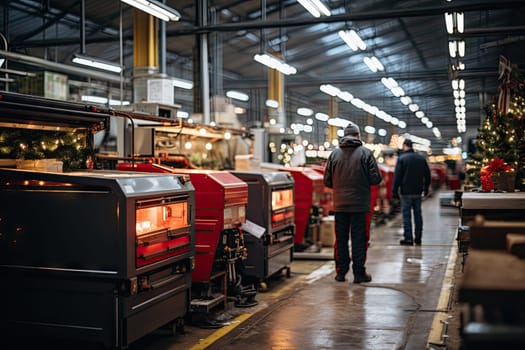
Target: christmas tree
502, 133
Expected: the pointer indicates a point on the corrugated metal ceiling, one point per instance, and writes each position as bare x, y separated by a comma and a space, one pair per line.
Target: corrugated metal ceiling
409, 38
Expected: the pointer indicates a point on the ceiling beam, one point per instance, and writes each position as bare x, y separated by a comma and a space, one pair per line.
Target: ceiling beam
362, 16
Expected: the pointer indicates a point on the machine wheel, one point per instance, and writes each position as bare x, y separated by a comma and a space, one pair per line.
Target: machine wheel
178, 326
263, 287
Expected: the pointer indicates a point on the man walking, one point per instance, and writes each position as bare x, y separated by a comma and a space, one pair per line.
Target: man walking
411, 178
350, 171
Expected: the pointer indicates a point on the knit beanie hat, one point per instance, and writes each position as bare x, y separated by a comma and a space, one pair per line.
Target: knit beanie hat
351, 129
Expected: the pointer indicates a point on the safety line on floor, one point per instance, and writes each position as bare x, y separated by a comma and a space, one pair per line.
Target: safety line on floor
441, 318
212, 338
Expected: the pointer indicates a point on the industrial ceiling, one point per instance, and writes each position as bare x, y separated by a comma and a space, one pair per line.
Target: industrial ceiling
408, 37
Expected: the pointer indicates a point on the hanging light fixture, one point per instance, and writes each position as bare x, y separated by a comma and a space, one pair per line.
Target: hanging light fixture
182, 83
155, 8
352, 39
237, 95
275, 63
97, 63
315, 7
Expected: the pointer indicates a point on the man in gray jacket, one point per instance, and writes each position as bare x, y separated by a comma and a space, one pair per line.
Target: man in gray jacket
350, 171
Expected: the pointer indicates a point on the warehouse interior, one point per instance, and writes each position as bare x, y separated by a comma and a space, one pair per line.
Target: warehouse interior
162, 171
409, 38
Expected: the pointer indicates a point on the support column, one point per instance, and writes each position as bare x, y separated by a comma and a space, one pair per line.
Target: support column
333, 112
145, 53
201, 90
276, 92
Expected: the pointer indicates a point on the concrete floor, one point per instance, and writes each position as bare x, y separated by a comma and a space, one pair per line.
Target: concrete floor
404, 307
400, 309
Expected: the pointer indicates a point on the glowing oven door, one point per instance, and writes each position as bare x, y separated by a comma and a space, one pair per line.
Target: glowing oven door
282, 207
162, 229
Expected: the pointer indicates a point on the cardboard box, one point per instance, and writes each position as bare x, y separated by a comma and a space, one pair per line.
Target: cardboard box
328, 231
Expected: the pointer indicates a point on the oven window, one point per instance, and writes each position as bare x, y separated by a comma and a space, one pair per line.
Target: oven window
163, 217
282, 199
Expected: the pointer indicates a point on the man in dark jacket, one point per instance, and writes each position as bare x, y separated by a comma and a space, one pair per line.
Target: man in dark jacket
350, 171
412, 176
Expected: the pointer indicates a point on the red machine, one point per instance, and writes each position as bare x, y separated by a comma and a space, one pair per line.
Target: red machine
220, 200
220, 210
309, 189
326, 202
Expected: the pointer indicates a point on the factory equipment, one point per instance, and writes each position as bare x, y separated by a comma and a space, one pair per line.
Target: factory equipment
309, 189
101, 256
270, 229
220, 210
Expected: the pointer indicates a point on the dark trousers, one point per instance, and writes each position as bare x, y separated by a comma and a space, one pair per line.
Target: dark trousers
412, 203
350, 225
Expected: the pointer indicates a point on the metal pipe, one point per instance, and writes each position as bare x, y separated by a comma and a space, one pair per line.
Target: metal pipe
83, 27
41, 63
162, 46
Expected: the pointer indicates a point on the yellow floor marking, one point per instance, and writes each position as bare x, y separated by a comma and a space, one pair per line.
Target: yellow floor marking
436, 329
212, 338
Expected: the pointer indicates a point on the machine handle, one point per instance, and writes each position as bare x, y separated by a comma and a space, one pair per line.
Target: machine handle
161, 253
166, 280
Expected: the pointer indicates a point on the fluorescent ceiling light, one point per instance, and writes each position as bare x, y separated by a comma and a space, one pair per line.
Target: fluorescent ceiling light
397, 91
352, 39
305, 111
449, 22
321, 117
390, 83
413, 107
373, 63
275, 63
272, 103
461, 48
103, 101
97, 63
345, 96
155, 8
315, 7
358, 103
406, 100
237, 95
182, 114
452, 48
456, 48
460, 22
182, 83
420, 114
370, 64
370, 129
330, 89
377, 63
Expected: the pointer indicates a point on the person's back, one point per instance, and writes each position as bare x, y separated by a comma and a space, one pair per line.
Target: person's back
411, 180
413, 175
350, 171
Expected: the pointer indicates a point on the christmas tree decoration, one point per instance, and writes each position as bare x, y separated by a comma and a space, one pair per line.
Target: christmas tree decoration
501, 136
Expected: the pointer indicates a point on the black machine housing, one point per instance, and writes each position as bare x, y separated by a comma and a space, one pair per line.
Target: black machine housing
70, 253
273, 251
